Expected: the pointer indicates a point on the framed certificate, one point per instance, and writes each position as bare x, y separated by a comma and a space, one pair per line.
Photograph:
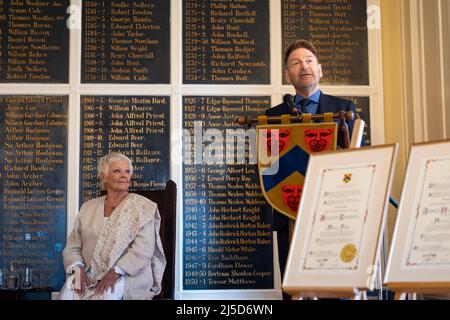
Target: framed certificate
338, 231
420, 248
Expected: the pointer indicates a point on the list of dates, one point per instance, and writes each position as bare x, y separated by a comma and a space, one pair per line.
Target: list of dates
136, 126
126, 41
226, 42
34, 41
338, 29
227, 238
33, 168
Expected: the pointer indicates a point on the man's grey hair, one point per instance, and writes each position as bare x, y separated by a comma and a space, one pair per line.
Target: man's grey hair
106, 161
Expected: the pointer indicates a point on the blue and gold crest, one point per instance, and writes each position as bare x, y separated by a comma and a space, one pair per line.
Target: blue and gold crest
283, 154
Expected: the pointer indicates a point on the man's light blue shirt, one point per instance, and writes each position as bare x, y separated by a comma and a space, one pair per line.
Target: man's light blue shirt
312, 105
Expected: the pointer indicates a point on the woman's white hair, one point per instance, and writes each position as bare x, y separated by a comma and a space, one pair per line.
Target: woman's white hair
106, 161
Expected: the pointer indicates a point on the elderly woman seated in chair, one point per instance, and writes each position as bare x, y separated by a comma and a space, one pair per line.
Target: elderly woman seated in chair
114, 251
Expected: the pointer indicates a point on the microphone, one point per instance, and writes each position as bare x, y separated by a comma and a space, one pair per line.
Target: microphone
289, 100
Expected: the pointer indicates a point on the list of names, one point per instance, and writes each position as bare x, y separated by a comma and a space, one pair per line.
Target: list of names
226, 42
137, 126
338, 29
227, 240
34, 41
126, 41
33, 195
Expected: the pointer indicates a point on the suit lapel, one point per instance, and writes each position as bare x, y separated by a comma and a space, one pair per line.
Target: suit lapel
323, 103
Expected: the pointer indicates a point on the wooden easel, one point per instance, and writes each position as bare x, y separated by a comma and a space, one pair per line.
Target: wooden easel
411, 289
335, 293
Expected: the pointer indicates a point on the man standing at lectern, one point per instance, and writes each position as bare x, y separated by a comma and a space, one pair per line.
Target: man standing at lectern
303, 71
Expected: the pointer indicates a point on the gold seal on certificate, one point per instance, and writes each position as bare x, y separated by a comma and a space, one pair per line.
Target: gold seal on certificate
347, 178
348, 253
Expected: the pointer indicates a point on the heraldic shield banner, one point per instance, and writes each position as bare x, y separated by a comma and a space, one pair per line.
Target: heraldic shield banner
283, 154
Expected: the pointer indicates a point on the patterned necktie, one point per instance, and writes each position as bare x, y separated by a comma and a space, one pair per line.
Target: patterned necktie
304, 103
